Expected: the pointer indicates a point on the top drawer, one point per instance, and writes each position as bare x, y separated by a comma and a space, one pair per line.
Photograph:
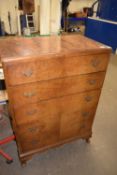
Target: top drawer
21, 72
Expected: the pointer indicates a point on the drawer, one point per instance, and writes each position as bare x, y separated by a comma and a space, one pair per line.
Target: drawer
37, 128
58, 106
22, 72
44, 141
38, 134
29, 130
29, 144
35, 92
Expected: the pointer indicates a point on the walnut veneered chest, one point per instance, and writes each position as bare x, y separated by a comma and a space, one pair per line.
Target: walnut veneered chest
54, 84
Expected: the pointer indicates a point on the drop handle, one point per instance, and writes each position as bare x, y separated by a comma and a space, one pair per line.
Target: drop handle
28, 73
95, 62
92, 82
33, 129
32, 112
85, 114
29, 94
88, 98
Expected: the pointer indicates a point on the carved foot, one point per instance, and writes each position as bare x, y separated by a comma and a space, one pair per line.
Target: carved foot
23, 163
25, 160
87, 140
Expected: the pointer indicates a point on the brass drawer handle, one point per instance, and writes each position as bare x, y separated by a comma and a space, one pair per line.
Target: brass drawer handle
85, 114
28, 73
92, 82
95, 62
29, 94
88, 98
33, 129
32, 112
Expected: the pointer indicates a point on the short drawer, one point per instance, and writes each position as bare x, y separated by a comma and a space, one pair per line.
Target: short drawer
38, 127
41, 142
58, 106
35, 92
36, 135
29, 130
22, 72
28, 144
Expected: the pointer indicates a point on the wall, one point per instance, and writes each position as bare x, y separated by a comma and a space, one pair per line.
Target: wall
49, 13
50, 16
5, 6
12, 6
77, 5
37, 15
44, 17
55, 16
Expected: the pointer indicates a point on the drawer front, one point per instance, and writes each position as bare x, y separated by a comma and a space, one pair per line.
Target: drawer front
22, 72
32, 112
37, 128
35, 92
30, 145
38, 134
43, 141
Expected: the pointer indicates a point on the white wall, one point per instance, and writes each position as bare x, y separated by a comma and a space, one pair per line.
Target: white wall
55, 16
49, 13
5, 6
44, 17
37, 15
50, 16
77, 5
12, 6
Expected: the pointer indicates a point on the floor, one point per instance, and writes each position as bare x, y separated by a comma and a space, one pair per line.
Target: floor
77, 158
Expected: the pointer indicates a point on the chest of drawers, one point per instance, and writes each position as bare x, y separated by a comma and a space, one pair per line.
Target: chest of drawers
54, 85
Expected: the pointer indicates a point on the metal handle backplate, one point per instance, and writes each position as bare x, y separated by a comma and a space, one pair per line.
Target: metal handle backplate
28, 73
85, 114
95, 62
33, 129
29, 94
32, 112
88, 98
92, 82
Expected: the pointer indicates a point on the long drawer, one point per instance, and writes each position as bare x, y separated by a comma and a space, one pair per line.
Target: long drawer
62, 105
22, 72
35, 92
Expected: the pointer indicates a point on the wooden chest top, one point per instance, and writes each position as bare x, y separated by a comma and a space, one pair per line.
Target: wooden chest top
17, 48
